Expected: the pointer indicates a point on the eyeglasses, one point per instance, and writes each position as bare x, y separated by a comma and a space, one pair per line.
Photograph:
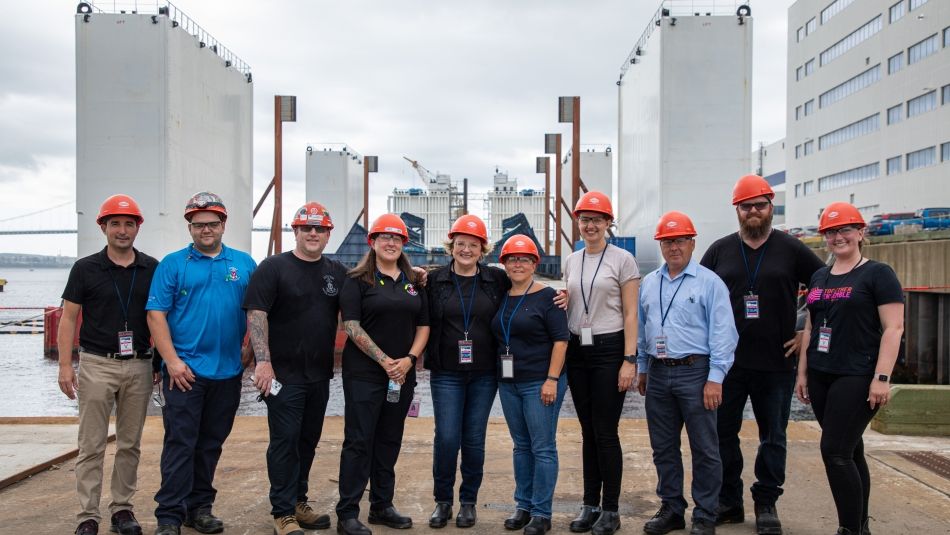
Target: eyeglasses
679, 242
584, 220
473, 246
840, 231
307, 229
213, 225
759, 206
388, 238
519, 260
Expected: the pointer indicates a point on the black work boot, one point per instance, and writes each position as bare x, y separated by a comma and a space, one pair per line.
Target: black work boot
585, 519
87, 527
124, 523
766, 519
730, 514
664, 521
204, 522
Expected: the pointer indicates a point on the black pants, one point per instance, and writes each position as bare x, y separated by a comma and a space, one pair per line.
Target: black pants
841, 407
771, 394
197, 422
295, 420
592, 374
372, 436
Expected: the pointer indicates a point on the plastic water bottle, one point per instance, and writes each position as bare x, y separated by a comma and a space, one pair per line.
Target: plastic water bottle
392, 394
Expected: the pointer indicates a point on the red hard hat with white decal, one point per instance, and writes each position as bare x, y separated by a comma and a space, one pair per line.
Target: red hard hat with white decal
312, 214
119, 204
519, 244
471, 225
388, 224
674, 225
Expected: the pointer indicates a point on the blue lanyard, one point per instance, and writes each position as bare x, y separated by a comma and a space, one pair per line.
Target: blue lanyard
506, 331
128, 300
379, 277
584, 297
745, 261
466, 313
667, 313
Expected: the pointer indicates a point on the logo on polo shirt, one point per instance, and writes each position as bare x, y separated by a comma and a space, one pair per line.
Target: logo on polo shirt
410, 289
232, 274
329, 289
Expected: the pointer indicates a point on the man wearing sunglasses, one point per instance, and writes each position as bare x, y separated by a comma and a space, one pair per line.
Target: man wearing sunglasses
196, 319
763, 270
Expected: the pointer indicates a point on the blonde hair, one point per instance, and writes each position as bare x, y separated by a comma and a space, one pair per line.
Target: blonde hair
487, 247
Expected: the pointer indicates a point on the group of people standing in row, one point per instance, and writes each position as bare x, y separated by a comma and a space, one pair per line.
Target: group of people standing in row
698, 339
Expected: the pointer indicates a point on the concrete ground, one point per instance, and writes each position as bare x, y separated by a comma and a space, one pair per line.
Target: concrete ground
905, 497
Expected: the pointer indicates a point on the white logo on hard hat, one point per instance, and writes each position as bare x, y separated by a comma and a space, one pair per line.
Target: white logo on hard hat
123, 204
671, 224
519, 243
833, 215
471, 224
393, 229
594, 200
313, 210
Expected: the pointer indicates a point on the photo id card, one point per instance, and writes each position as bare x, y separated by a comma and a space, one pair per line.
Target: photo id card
587, 336
660, 347
414, 407
751, 306
465, 352
824, 339
126, 349
507, 366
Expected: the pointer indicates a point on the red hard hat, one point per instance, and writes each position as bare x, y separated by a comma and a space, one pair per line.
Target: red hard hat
205, 201
388, 224
119, 204
839, 214
749, 187
313, 214
673, 225
471, 225
521, 245
594, 201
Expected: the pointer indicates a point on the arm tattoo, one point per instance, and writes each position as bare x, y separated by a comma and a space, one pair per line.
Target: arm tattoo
363, 341
257, 324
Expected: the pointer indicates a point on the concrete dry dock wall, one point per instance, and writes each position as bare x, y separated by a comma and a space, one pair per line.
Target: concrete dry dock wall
919, 264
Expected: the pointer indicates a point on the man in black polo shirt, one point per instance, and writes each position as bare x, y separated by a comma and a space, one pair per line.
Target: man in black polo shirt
115, 367
292, 303
762, 270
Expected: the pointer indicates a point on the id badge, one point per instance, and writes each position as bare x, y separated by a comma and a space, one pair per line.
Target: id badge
465, 352
751, 306
824, 339
661, 347
507, 366
587, 336
414, 407
126, 348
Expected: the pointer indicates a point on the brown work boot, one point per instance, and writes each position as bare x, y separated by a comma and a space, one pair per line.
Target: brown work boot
309, 519
287, 525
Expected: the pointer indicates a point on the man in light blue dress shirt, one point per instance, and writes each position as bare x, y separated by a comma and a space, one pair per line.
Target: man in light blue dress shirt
686, 343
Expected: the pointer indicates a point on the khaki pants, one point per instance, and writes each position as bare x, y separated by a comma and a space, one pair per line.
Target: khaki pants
103, 384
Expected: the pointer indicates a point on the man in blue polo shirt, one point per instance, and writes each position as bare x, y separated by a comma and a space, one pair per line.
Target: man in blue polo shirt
685, 344
196, 319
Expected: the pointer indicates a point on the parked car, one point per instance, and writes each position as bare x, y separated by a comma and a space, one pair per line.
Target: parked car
934, 218
884, 224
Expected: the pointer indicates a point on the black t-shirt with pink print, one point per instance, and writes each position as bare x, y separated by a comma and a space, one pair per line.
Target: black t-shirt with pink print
847, 304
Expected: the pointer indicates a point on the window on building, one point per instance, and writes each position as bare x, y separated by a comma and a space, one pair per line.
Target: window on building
810, 67
856, 129
809, 107
897, 11
798, 112
914, 4
811, 26
851, 40
944, 152
895, 114
922, 49
809, 188
800, 34
894, 165
864, 173
799, 74
808, 147
833, 9
850, 87
946, 95
921, 158
798, 190
798, 151
922, 104
895, 62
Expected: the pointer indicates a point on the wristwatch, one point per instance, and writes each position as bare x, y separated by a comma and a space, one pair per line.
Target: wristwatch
883, 377
632, 359
412, 359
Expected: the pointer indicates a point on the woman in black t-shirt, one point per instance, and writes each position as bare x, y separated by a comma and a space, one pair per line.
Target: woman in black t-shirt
854, 327
387, 321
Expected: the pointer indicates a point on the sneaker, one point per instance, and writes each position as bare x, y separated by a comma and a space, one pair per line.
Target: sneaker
287, 525
309, 519
664, 521
204, 522
124, 523
766, 520
87, 527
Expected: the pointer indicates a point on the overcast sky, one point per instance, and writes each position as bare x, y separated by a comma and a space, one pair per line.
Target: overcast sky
460, 86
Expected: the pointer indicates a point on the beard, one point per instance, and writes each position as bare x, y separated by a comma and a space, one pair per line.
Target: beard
756, 227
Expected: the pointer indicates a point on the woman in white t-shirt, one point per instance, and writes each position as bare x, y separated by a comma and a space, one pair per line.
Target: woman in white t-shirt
604, 282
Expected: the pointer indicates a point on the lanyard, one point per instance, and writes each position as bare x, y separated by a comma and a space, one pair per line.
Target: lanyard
128, 301
745, 261
506, 331
466, 313
379, 277
584, 297
663, 315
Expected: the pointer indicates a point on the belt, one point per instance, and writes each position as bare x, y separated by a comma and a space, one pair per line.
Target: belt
685, 361
118, 356
606, 338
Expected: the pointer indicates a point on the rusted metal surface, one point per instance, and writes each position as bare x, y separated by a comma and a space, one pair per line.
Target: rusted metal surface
934, 462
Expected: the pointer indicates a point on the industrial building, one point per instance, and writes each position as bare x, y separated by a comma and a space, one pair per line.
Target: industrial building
596, 174
685, 105
505, 200
768, 161
334, 178
163, 110
868, 106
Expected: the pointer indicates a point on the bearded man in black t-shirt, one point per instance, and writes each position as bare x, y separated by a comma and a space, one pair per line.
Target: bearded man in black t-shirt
292, 303
762, 269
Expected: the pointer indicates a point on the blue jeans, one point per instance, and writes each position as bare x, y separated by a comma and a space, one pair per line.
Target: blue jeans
771, 394
533, 428
197, 422
674, 397
461, 402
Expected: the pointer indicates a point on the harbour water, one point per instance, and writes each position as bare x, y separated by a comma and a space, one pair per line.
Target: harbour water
29, 380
